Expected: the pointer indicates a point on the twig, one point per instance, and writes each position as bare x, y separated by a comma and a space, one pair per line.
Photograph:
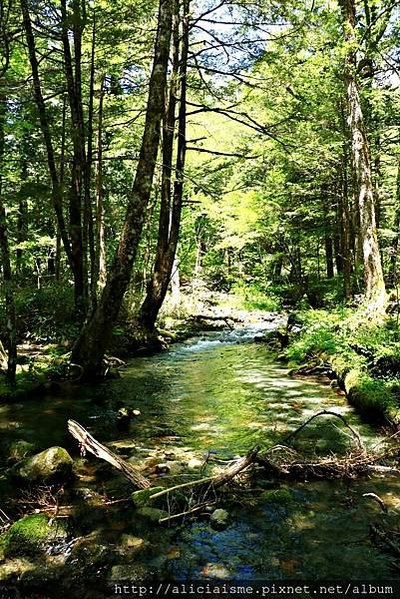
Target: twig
326, 413
378, 500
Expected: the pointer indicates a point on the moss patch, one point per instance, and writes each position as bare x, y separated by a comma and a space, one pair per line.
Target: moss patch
29, 535
281, 496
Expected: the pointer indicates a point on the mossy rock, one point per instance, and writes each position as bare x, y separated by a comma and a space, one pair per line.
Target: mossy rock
89, 553
130, 572
151, 513
13, 569
20, 449
50, 465
220, 519
31, 535
370, 396
142, 497
281, 496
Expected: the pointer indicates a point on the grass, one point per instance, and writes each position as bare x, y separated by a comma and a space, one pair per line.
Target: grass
364, 355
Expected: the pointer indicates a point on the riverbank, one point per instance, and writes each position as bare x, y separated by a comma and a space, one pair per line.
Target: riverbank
363, 357
43, 362
195, 408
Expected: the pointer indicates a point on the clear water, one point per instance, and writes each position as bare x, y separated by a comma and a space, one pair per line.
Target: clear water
224, 395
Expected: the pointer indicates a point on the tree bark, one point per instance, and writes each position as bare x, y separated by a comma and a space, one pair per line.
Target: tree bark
77, 214
100, 272
90, 346
57, 195
375, 286
170, 215
392, 274
6, 262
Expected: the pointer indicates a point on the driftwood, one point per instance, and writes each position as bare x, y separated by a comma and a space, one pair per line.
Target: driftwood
327, 413
213, 482
384, 538
89, 443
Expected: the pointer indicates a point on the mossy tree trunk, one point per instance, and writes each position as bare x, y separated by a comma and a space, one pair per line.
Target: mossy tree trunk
373, 273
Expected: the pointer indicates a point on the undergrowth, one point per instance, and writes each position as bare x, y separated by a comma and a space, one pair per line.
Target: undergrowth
364, 355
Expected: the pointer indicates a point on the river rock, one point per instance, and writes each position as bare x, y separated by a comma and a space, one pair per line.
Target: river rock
163, 468
151, 513
219, 519
280, 496
52, 464
130, 545
135, 573
12, 569
31, 535
89, 552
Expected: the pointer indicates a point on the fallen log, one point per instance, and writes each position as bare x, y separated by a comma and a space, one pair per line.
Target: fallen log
88, 443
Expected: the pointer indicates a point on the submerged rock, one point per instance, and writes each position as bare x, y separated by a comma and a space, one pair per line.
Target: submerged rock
220, 519
52, 464
30, 535
142, 497
151, 513
281, 496
136, 573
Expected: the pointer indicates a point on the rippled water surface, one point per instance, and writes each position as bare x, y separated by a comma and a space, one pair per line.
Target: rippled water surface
214, 395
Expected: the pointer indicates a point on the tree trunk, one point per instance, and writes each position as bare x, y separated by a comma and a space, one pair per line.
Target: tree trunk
170, 216
392, 274
345, 233
100, 272
6, 262
375, 286
78, 218
57, 195
88, 174
90, 346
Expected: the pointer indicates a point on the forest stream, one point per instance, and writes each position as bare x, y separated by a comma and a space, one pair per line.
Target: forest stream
218, 394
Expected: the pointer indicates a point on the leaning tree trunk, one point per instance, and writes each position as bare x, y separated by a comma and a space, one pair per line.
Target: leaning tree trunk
170, 216
373, 274
90, 346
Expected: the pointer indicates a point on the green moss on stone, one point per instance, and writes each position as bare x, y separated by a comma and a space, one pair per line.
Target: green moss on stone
29, 535
281, 496
142, 497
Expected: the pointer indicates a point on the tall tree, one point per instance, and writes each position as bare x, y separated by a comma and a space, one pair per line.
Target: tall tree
91, 344
172, 185
8, 283
373, 273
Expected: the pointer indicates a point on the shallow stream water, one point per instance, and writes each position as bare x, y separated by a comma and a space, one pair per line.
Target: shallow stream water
217, 395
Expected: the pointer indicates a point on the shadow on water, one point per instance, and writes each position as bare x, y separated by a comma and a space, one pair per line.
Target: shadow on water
226, 397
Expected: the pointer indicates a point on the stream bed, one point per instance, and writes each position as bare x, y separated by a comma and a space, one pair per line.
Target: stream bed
215, 395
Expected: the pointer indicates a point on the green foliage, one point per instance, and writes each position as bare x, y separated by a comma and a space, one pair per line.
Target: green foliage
364, 355
252, 297
45, 314
320, 335
371, 396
